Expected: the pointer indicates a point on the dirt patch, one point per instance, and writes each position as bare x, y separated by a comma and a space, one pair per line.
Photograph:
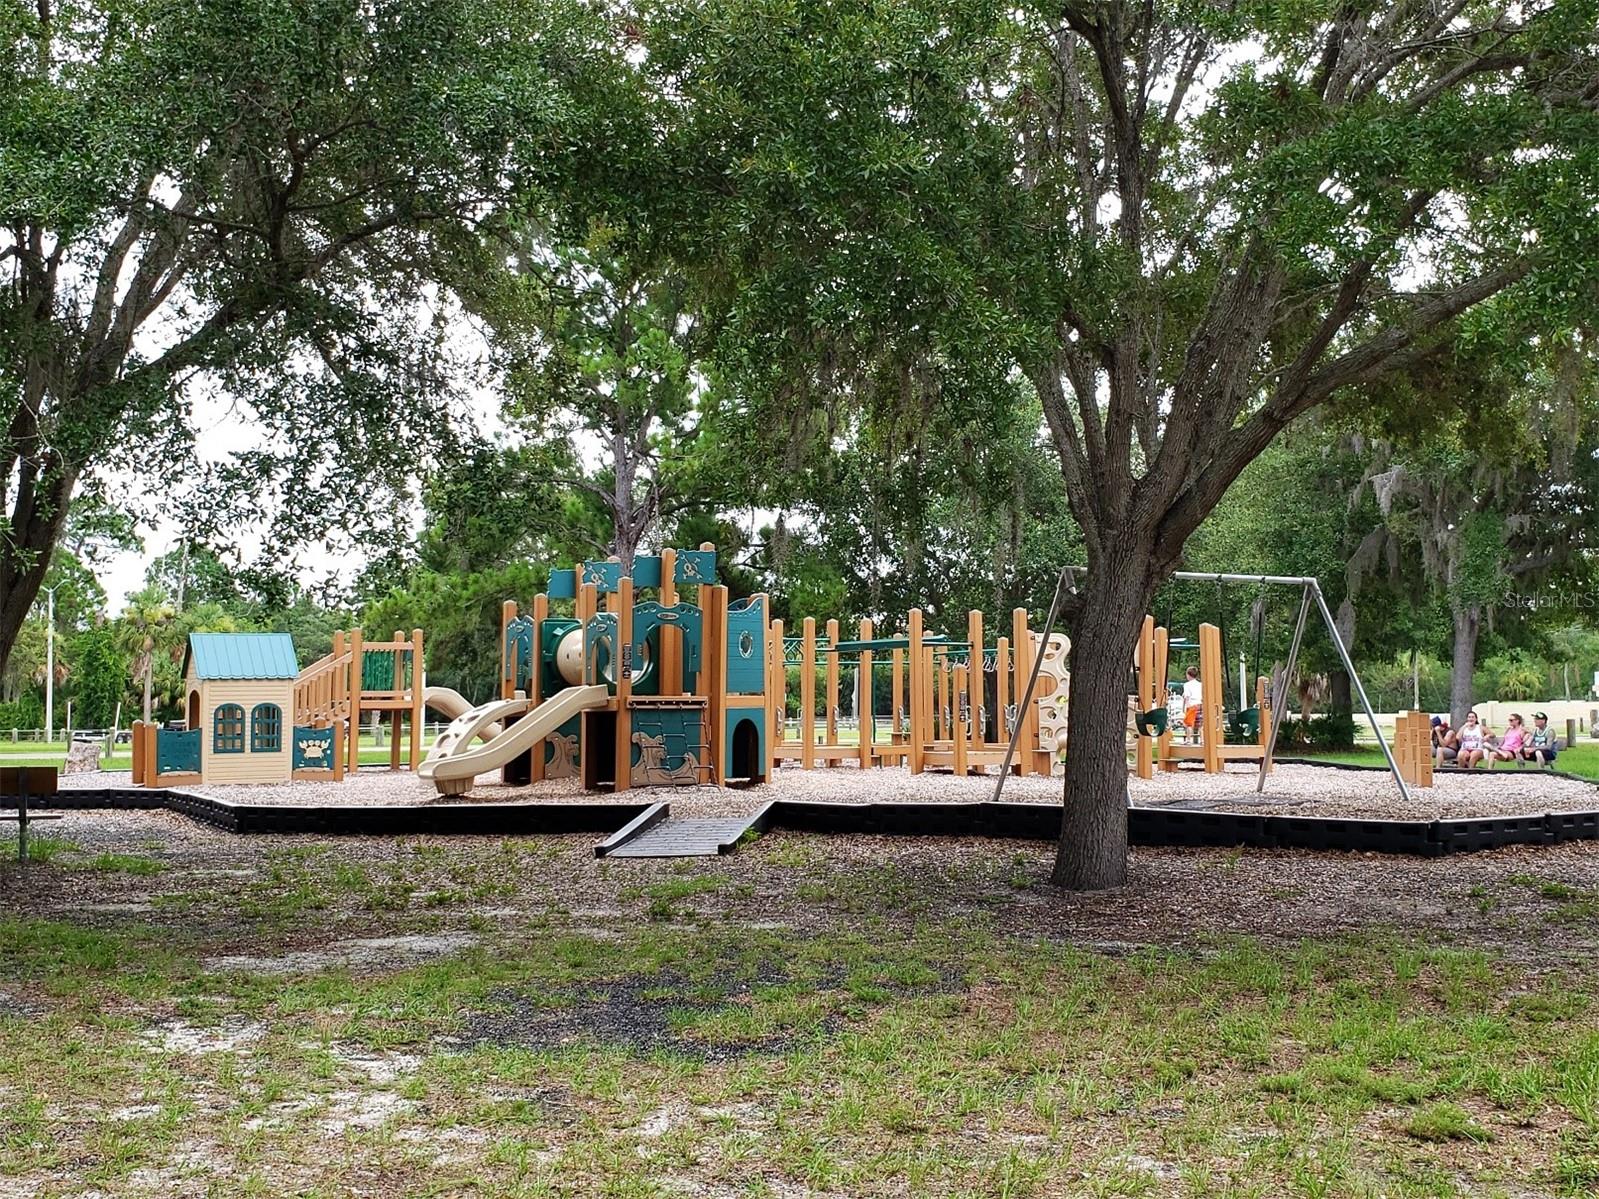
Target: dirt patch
369, 953
645, 1014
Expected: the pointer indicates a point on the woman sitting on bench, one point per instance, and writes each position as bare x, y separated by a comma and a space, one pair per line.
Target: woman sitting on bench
1472, 742
1508, 748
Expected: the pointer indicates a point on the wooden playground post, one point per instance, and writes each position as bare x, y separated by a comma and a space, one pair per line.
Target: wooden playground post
355, 684
958, 677
1001, 689
777, 687
587, 604
621, 602
507, 652
535, 675
807, 727
896, 699
1022, 650
941, 699
974, 683
1403, 756
1162, 745
832, 691
1423, 735
865, 719
916, 669
152, 769
338, 681
671, 636
1143, 752
1213, 690
713, 601
418, 686
138, 753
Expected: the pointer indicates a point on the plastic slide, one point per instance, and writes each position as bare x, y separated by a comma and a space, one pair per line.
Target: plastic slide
452, 772
481, 721
453, 704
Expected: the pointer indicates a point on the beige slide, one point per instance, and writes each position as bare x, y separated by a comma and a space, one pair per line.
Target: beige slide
453, 770
453, 704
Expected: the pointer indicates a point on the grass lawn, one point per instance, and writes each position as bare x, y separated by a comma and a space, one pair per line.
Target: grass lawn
189, 1014
35, 753
1581, 759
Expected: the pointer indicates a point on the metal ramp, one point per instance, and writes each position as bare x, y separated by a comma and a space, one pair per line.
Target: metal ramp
654, 834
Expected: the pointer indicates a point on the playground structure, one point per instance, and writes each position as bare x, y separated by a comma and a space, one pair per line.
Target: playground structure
1156, 743
326, 701
953, 705
637, 687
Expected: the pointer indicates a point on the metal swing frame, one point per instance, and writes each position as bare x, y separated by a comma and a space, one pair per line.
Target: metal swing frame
1310, 590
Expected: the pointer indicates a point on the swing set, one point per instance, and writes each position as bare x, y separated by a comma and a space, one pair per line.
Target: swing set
1150, 717
1154, 646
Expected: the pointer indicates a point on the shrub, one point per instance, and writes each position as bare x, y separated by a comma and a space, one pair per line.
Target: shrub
1334, 731
24, 713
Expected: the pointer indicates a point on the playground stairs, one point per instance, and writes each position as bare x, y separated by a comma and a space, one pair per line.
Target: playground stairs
655, 834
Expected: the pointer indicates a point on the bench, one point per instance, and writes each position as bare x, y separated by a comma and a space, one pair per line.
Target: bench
23, 783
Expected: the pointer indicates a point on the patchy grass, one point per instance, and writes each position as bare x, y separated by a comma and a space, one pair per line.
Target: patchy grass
42, 848
758, 1062
797, 1020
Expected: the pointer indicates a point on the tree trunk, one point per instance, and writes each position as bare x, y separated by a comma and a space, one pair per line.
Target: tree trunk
1468, 622
1093, 844
149, 679
1340, 694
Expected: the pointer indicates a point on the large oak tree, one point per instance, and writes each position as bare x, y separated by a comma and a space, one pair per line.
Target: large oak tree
1187, 223
235, 195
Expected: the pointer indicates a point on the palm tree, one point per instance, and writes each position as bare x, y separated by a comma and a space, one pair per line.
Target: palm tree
143, 620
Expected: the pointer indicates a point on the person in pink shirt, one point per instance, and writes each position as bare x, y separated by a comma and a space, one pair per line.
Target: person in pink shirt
1509, 747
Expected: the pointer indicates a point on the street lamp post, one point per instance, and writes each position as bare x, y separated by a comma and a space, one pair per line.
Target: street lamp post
50, 665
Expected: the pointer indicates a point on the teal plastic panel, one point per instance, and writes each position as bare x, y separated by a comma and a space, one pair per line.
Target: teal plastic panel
606, 576
313, 748
519, 640
562, 584
649, 616
696, 566
177, 753
647, 571
678, 732
746, 647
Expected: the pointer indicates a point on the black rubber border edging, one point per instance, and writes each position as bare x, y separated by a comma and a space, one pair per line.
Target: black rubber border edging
368, 820
1151, 827
1167, 827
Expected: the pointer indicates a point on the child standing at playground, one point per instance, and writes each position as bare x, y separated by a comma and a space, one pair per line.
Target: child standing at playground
1193, 704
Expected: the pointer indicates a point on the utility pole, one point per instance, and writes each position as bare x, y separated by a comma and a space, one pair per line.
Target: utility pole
50, 664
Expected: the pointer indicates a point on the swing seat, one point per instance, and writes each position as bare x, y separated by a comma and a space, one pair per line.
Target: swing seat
1246, 724
1152, 723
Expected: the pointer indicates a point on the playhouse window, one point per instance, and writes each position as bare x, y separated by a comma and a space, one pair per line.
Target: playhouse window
227, 729
266, 729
